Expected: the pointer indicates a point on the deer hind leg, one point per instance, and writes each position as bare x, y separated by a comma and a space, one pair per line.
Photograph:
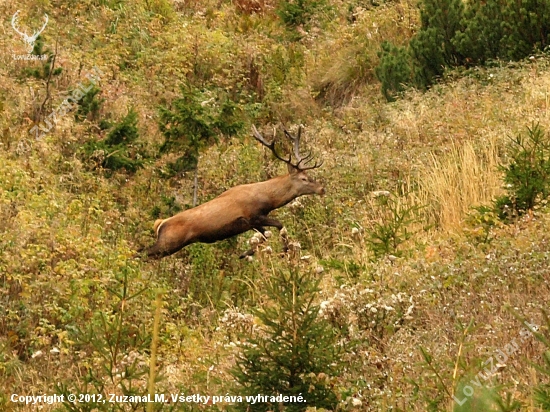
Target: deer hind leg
169, 241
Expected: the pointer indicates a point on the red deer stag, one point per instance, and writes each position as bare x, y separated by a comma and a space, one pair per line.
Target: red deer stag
240, 208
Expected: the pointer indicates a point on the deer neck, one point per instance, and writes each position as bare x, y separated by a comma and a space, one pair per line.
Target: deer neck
281, 190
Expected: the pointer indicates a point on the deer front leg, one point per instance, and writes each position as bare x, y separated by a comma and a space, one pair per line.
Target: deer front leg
259, 224
266, 221
269, 221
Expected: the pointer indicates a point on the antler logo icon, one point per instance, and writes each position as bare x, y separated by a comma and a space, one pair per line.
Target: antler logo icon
28, 39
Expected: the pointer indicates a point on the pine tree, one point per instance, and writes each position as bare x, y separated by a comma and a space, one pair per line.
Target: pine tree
432, 48
195, 121
456, 33
394, 70
483, 31
527, 27
295, 352
527, 176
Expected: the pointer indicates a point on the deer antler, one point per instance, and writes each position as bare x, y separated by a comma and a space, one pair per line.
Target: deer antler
270, 146
300, 160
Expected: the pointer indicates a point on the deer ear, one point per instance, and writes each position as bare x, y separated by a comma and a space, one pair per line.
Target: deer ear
291, 169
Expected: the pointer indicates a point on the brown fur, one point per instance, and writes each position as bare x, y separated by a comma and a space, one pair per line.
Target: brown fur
235, 211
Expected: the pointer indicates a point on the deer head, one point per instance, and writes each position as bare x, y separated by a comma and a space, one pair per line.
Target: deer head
303, 184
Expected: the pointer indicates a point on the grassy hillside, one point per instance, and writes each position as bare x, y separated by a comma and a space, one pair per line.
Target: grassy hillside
419, 289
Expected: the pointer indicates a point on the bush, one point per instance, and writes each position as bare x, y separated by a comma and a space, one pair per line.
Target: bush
89, 106
526, 26
393, 228
454, 33
394, 70
194, 121
42, 72
483, 32
527, 176
296, 13
119, 346
117, 150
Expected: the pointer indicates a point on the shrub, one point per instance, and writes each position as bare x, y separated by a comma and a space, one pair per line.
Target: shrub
118, 344
527, 176
483, 30
394, 70
117, 150
454, 33
526, 26
42, 72
89, 106
393, 228
432, 48
193, 122
296, 13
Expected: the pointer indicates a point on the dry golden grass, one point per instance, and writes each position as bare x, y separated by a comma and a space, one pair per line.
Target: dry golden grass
454, 182
344, 62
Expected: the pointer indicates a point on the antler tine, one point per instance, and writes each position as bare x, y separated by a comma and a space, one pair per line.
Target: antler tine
306, 159
301, 160
315, 166
295, 143
270, 146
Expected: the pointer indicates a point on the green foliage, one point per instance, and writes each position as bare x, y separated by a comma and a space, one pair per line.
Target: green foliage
483, 219
432, 48
193, 122
42, 72
434, 386
117, 343
526, 28
117, 150
394, 70
125, 132
484, 399
89, 106
296, 13
482, 33
393, 228
506, 404
169, 207
454, 33
295, 352
527, 176
284, 64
